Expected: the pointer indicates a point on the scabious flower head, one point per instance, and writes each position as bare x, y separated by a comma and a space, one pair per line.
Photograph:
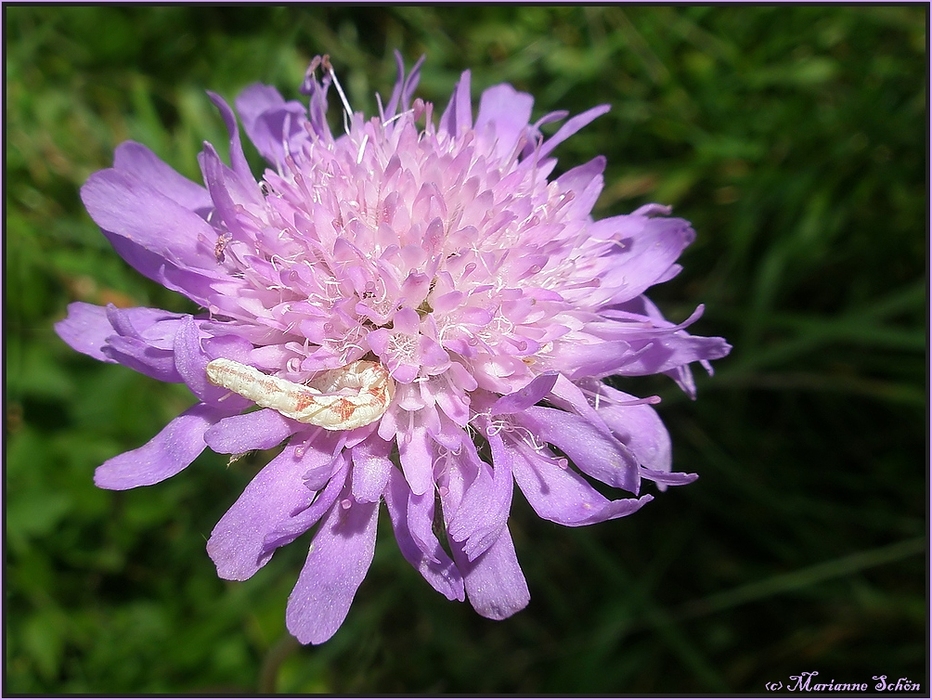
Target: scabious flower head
439, 251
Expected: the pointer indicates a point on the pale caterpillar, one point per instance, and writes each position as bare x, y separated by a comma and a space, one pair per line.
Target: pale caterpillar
337, 399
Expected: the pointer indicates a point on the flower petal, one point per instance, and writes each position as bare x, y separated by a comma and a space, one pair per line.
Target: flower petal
507, 112
190, 363
338, 560
404, 89
585, 182
529, 395
174, 448
644, 257
593, 451
227, 190
196, 285
317, 110
494, 582
419, 518
483, 512
668, 478
86, 329
144, 348
236, 544
676, 350
639, 427
371, 468
416, 453
139, 337
457, 116
270, 122
128, 208
561, 495
410, 513
257, 430
157, 328
237, 158
139, 161
138, 355
570, 128
289, 529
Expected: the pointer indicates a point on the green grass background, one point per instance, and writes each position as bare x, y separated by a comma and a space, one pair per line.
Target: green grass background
795, 140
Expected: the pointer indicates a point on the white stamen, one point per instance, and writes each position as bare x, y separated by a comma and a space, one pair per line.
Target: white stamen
362, 148
347, 110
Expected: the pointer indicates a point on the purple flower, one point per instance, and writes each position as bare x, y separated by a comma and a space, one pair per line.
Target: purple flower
439, 254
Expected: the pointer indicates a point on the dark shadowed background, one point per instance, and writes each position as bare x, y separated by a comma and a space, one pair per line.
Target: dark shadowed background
795, 140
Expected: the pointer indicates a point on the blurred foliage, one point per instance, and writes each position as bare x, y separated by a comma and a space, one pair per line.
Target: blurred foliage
795, 140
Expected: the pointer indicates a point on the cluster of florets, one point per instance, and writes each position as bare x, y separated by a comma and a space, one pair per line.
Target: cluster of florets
482, 297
